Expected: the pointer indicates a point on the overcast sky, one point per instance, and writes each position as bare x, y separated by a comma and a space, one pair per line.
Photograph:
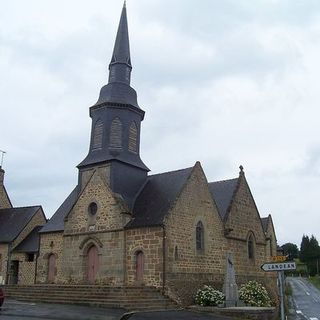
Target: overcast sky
224, 82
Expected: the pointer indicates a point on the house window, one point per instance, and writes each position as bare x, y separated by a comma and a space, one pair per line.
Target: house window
200, 236
116, 134
251, 247
133, 136
97, 135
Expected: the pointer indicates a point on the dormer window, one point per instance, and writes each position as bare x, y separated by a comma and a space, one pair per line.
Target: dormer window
116, 134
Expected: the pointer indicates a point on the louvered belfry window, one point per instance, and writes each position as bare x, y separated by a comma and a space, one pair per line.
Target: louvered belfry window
97, 135
116, 134
133, 136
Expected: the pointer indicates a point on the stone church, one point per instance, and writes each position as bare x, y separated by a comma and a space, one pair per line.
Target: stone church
121, 226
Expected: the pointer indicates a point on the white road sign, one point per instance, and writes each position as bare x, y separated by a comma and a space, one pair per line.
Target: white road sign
279, 266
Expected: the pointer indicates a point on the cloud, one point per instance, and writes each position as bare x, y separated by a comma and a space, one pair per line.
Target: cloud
223, 82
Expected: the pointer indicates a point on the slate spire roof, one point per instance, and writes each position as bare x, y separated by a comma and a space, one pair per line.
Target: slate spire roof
118, 89
121, 51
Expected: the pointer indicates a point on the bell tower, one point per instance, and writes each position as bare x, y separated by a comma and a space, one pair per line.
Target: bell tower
116, 125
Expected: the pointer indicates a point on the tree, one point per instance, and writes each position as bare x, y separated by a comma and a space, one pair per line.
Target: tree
304, 248
310, 253
291, 250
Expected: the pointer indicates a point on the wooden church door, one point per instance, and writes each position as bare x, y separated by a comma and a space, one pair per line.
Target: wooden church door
93, 264
139, 266
51, 268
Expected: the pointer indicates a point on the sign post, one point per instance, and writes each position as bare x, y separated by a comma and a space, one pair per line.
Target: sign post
279, 265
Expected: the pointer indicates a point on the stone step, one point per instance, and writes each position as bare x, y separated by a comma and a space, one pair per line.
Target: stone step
84, 293
98, 299
130, 298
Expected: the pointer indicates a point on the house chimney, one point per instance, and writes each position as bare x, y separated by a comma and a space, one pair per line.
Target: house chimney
1, 176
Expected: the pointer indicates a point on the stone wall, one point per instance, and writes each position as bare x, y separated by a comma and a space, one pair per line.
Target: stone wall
111, 212
110, 245
150, 242
188, 268
27, 269
50, 243
3, 261
4, 198
243, 220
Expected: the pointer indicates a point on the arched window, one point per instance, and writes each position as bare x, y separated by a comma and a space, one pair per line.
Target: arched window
97, 135
116, 134
200, 236
251, 247
133, 136
176, 253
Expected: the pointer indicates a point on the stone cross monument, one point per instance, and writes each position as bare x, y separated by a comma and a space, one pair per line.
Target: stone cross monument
230, 288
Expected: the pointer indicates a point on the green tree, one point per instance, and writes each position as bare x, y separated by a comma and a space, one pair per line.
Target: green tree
304, 248
310, 253
291, 250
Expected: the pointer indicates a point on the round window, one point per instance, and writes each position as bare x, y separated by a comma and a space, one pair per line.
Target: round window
93, 208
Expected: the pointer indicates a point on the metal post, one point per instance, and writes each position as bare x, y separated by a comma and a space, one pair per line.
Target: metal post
281, 293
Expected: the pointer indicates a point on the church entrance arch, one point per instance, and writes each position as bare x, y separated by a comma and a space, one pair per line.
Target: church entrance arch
51, 268
139, 266
93, 264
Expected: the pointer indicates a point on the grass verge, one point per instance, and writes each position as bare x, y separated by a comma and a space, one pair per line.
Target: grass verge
315, 281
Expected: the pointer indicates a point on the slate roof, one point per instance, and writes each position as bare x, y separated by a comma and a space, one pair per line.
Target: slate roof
157, 196
31, 243
13, 220
56, 223
222, 193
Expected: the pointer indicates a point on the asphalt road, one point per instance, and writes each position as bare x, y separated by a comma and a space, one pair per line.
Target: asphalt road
18, 310
305, 298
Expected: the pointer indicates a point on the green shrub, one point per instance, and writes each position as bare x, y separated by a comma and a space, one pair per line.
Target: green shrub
208, 296
254, 294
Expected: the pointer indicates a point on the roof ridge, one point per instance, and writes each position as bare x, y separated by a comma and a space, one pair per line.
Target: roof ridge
35, 206
25, 207
173, 171
225, 180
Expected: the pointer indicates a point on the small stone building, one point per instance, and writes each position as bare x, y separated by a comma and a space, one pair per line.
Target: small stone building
19, 239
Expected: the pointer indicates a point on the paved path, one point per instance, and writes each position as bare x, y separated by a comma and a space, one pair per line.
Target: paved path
306, 299
17, 310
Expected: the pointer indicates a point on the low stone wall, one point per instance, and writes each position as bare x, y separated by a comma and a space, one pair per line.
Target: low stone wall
253, 313
182, 287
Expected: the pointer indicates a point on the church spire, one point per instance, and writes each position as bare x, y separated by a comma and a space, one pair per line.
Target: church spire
118, 89
120, 65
